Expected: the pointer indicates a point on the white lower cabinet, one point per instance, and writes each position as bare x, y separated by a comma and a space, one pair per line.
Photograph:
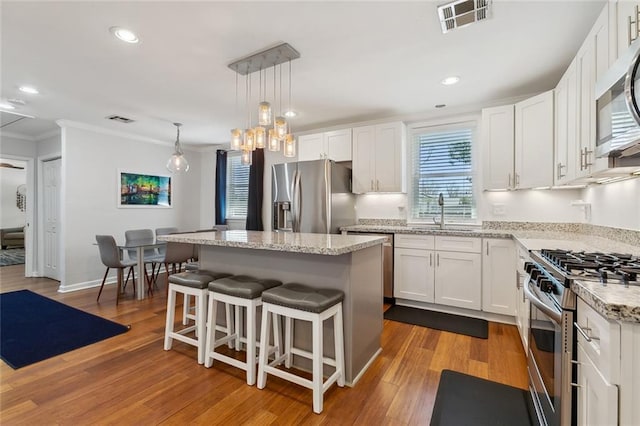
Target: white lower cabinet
458, 279
448, 277
499, 276
597, 398
413, 270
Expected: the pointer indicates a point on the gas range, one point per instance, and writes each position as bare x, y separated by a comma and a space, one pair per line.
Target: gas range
607, 268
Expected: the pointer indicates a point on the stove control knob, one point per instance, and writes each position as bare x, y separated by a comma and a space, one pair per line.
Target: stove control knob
535, 273
547, 286
528, 266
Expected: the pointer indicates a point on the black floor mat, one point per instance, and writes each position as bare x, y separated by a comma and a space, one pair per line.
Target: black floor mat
473, 327
469, 400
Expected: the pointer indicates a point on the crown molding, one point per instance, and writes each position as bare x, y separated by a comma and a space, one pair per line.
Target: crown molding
17, 136
47, 135
97, 129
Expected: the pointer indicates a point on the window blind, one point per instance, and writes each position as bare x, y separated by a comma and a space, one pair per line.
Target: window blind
237, 187
442, 163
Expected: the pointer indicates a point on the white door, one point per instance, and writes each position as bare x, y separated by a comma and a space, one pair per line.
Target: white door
413, 274
51, 216
498, 143
362, 172
388, 157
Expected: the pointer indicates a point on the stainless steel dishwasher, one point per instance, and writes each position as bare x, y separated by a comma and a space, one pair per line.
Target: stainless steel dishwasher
387, 262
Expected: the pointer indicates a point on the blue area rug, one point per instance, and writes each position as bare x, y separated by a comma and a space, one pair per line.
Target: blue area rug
12, 257
34, 328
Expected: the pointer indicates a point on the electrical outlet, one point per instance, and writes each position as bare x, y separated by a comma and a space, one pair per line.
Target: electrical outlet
499, 209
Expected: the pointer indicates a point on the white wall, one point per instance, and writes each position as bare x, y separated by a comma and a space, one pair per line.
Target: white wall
615, 204
10, 215
48, 146
90, 163
19, 147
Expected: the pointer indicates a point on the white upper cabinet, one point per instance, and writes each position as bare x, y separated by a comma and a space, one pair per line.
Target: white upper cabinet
518, 144
625, 28
566, 127
592, 62
534, 142
334, 145
498, 144
378, 158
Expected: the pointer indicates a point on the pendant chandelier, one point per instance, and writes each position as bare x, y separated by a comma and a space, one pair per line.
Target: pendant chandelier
178, 163
269, 132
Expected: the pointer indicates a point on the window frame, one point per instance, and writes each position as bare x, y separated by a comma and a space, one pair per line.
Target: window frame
231, 155
467, 122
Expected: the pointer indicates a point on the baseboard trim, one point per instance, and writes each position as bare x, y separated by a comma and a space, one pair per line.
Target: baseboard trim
84, 285
364, 369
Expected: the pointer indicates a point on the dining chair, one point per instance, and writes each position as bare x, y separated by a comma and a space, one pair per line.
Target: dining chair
110, 256
161, 251
151, 257
176, 254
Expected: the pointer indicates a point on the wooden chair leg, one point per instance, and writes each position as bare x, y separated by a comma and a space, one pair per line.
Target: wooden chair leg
102, 285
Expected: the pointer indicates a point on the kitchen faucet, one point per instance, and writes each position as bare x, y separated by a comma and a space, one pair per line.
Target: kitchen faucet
441, 204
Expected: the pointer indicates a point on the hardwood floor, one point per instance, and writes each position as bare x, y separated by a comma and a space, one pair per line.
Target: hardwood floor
130, 379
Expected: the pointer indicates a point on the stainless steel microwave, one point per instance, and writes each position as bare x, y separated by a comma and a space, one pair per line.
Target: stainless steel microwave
617, 96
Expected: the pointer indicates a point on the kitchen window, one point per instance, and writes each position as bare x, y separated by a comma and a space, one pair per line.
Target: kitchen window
441, 161
237, 187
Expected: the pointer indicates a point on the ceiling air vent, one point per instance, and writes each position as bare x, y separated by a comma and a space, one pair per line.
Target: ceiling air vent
462, 13
120, 119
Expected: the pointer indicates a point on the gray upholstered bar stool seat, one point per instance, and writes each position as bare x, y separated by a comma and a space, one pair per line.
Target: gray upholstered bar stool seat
192, 284
301, 302
240, 291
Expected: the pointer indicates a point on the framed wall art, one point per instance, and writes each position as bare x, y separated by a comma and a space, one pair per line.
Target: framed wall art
143, 190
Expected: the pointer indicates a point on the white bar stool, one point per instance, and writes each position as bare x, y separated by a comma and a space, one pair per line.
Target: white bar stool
297, 301
189, 284
239, 291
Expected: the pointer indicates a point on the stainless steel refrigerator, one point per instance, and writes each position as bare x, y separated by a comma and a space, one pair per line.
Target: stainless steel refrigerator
312, 196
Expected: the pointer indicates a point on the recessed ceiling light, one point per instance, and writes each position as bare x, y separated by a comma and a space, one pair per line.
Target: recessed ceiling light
450, 80
290, 114
29, 89
124, 34
441, 105
6, 105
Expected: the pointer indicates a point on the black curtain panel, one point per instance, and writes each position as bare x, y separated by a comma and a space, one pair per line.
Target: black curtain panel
254, 206
221, 187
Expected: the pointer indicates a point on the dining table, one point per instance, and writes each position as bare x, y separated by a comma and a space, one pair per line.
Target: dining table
141, 245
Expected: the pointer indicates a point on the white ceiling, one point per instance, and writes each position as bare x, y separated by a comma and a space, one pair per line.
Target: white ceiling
359, 60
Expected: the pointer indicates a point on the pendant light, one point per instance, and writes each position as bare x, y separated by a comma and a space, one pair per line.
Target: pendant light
236, 134
280, 123
269, 131
264, 107
273, 139
289, 140
178, 163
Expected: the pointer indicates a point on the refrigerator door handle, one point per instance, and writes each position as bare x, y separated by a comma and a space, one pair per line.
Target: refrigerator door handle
327, 196
296, 204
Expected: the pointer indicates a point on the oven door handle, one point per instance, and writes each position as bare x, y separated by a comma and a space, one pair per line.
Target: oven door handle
551, 313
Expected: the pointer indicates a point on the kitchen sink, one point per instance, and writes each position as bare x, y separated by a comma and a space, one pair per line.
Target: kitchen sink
446, 228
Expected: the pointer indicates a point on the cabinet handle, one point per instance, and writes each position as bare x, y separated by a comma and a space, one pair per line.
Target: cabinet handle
583, 331
438, 259
559, 171
586, 156
517, 180
581, 160
509, 179
430, 259
487, 248
377, 185
630, 24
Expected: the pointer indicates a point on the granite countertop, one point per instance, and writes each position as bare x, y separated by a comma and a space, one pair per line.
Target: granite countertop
613, 301
324, 244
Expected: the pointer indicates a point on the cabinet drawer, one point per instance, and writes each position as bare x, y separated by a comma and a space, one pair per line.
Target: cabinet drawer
414, 241
462, 244
604, 347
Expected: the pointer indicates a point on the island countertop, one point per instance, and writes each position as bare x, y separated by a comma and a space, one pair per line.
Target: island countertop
324, 244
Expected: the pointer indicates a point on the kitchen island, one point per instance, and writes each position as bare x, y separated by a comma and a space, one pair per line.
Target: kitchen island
350, 263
